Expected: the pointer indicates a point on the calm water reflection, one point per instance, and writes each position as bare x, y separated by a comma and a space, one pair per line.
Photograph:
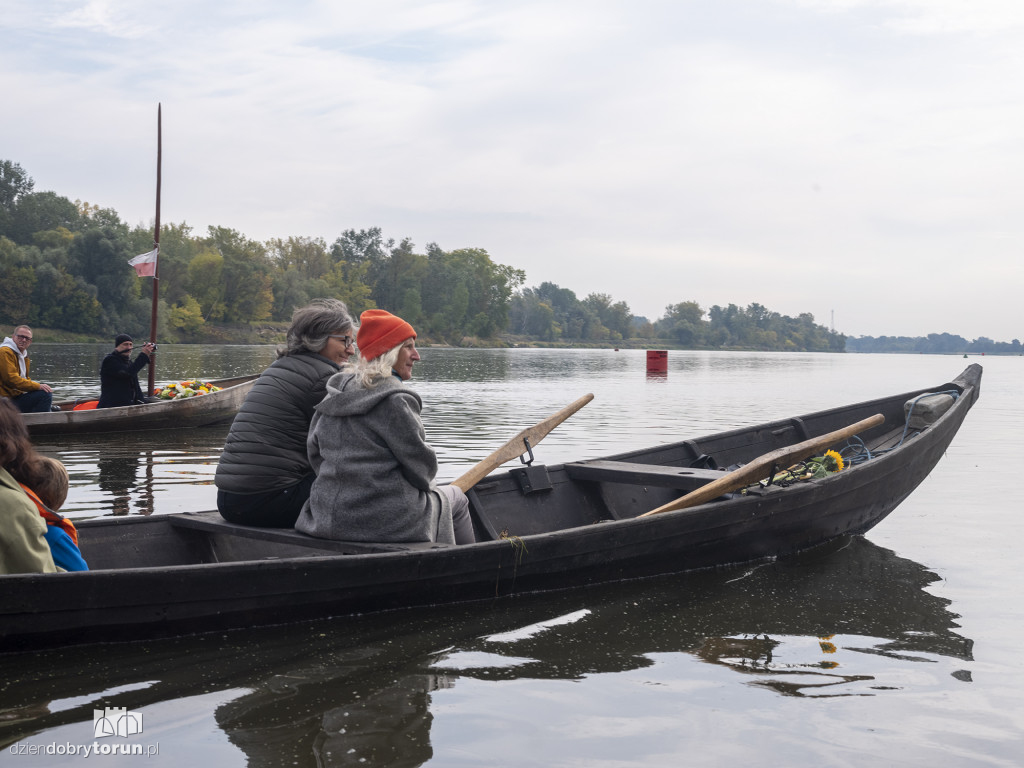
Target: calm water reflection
372, 692
899, 648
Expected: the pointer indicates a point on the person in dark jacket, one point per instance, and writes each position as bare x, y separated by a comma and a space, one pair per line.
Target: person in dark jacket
119, 374
264, 475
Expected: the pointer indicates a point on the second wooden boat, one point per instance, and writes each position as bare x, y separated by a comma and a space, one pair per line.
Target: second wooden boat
179, 413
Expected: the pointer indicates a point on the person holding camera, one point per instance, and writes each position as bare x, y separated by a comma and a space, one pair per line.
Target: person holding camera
119, 374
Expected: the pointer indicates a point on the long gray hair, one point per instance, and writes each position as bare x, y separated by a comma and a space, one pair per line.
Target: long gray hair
370, 373
312, 325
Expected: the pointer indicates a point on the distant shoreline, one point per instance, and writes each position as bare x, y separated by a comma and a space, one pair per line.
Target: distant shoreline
274, 333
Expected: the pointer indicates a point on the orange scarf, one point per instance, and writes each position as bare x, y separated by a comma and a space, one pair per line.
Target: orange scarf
51, 517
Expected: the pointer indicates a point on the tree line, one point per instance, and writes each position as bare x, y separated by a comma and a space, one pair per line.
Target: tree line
934, 344
64, 267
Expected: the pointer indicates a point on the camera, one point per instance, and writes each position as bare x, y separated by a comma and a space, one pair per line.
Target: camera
154, 345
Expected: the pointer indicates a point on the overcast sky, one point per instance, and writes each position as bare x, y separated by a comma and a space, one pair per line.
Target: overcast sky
861, 160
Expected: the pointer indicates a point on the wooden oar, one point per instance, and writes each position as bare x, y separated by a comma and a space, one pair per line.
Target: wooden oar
516, 447
761, 467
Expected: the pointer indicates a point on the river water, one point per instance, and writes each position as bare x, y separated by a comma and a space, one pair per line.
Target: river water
899, 648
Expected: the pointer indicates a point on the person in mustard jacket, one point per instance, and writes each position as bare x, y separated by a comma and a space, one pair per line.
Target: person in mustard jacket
26, 395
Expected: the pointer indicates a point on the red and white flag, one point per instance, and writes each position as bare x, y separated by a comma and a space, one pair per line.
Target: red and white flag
145, 263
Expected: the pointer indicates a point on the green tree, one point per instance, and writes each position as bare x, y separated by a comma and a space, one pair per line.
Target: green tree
530, 315
614, 316
100, 257
347, 282
14, 183
186, 318
572, 319
307, 256
684, 322
393, 280
59, 238
19, 279
64, 301
247, 276
290, 292
38, 211
206, 276
92, 216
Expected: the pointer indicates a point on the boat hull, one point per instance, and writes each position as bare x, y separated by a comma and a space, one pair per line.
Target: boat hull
545, 528
186, 413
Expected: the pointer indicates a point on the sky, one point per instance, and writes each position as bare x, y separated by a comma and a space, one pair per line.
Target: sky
858, 160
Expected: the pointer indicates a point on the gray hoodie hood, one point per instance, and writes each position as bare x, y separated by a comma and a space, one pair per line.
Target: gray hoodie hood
346, 398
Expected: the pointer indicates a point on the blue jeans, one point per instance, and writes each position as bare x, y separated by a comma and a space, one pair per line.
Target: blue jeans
36, 401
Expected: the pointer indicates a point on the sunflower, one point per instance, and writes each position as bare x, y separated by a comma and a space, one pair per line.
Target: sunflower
833, 461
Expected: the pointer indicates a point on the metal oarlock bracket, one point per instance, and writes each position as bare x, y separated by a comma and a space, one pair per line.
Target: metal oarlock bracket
531, 478
529, 450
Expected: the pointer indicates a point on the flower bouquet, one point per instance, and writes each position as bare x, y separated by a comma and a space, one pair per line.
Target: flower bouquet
190, 388
820, 466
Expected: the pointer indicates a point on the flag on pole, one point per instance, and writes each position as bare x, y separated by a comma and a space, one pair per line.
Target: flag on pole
145, 263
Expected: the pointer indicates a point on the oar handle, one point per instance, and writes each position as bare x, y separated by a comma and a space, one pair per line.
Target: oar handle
761, 467
516, 447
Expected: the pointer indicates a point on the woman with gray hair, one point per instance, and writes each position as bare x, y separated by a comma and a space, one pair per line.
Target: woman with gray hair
264, 476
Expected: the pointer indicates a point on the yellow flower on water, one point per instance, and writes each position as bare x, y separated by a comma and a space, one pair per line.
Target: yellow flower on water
833, 461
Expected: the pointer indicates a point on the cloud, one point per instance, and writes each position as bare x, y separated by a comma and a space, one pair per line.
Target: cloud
808, 155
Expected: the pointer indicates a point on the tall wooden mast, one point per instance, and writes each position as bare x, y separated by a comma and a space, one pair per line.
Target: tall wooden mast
156, 243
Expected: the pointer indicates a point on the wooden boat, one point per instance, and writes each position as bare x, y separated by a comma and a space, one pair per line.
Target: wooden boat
539, 528
184, 413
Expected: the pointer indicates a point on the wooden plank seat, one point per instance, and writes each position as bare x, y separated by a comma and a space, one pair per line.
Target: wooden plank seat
627, 489
631, 473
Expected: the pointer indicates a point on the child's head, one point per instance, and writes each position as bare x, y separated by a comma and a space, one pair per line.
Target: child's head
50, 482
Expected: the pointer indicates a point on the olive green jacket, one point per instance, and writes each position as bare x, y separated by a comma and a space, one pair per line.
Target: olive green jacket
23, 545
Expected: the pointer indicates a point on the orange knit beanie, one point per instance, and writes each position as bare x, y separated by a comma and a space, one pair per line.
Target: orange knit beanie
380, 331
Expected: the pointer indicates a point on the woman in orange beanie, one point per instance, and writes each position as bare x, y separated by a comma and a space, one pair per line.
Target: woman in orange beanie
374, 469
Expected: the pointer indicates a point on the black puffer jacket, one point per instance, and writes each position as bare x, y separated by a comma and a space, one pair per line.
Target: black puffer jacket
266, 447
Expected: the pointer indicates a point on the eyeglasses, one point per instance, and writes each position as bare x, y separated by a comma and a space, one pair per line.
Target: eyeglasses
348, 341
23, 337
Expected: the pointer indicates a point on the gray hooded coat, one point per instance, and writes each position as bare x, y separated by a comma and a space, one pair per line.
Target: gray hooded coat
375, 470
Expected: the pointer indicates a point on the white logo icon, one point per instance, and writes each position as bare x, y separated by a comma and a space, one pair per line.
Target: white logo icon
115, 721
